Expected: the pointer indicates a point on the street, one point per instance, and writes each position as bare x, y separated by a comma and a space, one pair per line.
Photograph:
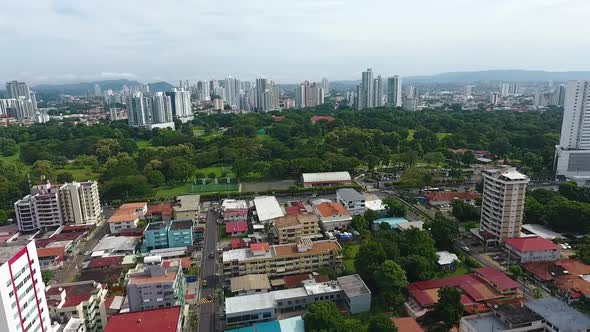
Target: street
207, 317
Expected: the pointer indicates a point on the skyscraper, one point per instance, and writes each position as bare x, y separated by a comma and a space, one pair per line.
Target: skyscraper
181, 104
367, 91
309, 95
203, 93
502, 205
161, 108
412, 91
16, 89
326, 86
232, 92
136, 110
97, 90
80, 202
573, 151
394, 91
378, 95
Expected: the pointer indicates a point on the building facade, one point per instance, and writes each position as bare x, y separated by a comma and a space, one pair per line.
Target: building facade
394, 91
155, 284
291, 229
352, 200
80, 202
531, 249
502, 206
39, 210
23, 306
83, 300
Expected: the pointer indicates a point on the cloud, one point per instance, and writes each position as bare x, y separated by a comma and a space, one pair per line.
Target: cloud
111, 75
67, 8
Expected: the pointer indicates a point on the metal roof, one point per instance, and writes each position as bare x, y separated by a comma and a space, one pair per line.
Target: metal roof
267, 208
559, 314
326, 177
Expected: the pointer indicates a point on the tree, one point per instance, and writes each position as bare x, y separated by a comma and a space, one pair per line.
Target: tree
360, 223
583, 250
370, 256
155, 178
322, 316
418, 267
516, 271
464, 212
42, 168
391, 282
444, 232
64, 177
8, 147
381, 323
47, 276
177, 169
449, 308
371, 215
395, 208
434, 157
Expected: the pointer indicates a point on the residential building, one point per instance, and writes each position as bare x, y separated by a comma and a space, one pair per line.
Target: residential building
350, 291
23, 306
15, 89
127, 216
149, 111
180, 100
378, 94
503, 318
309, 95
394, 91
234, 210
441, 198
366, 91
80, 202
187, 207
168, 234
74, 325
502, 204
292, 228
155, 320
566, 277
411, 104
159, 212
484, 285
407, 324
249, 284
333, 216
558, 316
531, 249
39, 210
267, 209
155, 284
282, 260
236, 228
51, 258
352, 200
326, 86
83, 300
573, 152
325, 179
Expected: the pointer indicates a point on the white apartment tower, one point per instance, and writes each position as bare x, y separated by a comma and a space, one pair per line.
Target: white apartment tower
378, 93
309, 95
23, 306
573, 151
366, 91
394, 91
502, 206
80, 202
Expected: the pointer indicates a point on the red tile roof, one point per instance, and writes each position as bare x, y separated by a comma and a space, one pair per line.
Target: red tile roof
444, 196
238, 243
329, 209
105, 262
75, 294
163, 209
317, 118
497, 278
155, 320
263, 246
407, 324
527, 244
236, 227
51, 252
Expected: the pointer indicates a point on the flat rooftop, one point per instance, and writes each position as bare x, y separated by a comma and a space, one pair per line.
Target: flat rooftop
349, 194
187, 203
559, 314
116, 243
181, 224
7, 253
268, 208
154, 226
487, 323
326, 177
353, 285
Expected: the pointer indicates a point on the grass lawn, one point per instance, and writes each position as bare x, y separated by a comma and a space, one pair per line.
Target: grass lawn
350, 251
143, 143
169, 191
212, 136
173, 190
217, 170
411, 133
79, 174
442, 135
198, 131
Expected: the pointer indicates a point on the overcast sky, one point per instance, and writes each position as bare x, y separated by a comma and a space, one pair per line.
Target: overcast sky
48, 41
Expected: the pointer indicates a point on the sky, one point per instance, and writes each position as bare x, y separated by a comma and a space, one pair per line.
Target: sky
65, 41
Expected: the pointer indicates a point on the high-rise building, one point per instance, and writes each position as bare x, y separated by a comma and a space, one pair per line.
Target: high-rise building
218, 104
181, 104
394, 91
378, 92
203, 93
84, 300
558, 96
80, 202
366, 91
232, 92
160, 106
412, 91
97, 90
137, 113
510, 89
16, 89
309, 95
267, 95
275, 95
502, 205
573, 151
326, 86
494, 98
411, 104
23, 306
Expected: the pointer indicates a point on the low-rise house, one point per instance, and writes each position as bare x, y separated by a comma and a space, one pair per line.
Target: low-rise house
282, 260
352, 200
51, 258
187, 207
155, 284
236, 228
407, 324
333, 216
83, 300
446, 260
292, 228
234, 210
350, 291
531, 249
127, 216
160, 212
325, 179
447, 197
154, 320
249, 284
569, 278
116, 246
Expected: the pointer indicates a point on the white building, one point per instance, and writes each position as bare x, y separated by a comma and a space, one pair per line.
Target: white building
23, 306
333, 216
352, 200
502, 204
378, 94
573, 151
348, 290
80, 202
366, 91
531, 249
267, 209
309, 95
39, 210
411, 104
127, 216
83, 300
181, 104
394, 91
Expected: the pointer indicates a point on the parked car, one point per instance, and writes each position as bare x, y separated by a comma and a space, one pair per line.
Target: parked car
465, 248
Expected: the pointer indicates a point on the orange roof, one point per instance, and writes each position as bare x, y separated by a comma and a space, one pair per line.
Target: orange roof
318, 247
127, 212
407, 324
574, 266
51, 252
259, 246
185, 262
170, 276
164, 209
134, 206
328, 209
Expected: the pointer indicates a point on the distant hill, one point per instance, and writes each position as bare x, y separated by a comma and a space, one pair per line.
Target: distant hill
77, 89
160, 86
501, 75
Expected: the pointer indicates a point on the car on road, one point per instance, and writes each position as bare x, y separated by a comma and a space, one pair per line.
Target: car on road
204, 283
466, 248
209, 297
87, 253
211, 254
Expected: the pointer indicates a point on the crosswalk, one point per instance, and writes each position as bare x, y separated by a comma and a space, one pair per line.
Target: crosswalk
205, 301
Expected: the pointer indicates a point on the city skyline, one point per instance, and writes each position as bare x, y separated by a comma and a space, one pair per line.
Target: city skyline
80, 42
